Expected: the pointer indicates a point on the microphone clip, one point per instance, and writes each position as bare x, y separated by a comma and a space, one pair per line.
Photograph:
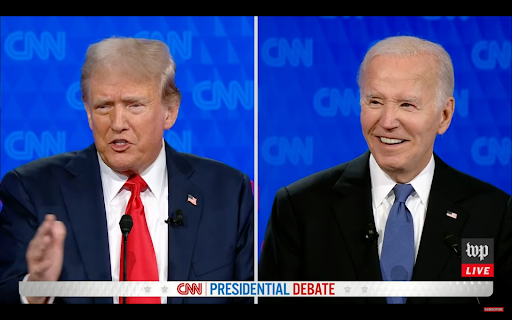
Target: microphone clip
176, 222
371, 233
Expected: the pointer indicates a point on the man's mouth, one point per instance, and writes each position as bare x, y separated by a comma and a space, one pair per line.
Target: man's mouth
119, 142
391, 141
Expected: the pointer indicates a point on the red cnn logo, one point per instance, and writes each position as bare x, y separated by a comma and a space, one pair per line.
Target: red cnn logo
186, 289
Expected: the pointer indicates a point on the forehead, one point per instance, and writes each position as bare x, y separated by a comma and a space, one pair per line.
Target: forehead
112, 81
395, 74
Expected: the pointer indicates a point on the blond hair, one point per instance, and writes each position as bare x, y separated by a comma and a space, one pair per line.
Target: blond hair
148, 59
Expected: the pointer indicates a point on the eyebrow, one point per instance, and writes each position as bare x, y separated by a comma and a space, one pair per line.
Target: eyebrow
413, 100
126, 99
372, 96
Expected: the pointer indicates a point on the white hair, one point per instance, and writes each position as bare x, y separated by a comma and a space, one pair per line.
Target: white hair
406, 46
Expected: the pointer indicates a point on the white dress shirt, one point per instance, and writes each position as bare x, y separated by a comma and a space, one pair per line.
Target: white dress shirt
383, 198
155, 204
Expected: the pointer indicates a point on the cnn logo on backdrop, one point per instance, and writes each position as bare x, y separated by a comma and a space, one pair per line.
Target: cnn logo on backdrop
477, 257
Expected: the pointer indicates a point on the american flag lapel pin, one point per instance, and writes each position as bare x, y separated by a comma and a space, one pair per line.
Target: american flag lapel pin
192, 199
451, 214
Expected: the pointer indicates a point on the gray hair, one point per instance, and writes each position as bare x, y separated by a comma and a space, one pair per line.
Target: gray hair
406, 46
146, 58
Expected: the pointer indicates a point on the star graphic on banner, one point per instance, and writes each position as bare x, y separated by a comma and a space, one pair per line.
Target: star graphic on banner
365, 289
147, 289
164, 289
347, 289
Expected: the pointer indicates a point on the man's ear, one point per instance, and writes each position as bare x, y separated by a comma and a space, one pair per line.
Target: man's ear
446, 115
171, 114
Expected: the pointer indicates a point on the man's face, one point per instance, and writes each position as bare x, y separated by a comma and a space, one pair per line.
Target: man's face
127, 119
400, 116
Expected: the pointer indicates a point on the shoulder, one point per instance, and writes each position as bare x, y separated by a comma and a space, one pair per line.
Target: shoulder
37, 174
478, 189
213, 168
43, 167
315, 184
472, 186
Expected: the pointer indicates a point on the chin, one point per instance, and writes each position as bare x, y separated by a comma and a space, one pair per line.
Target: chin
389, 165
120, 166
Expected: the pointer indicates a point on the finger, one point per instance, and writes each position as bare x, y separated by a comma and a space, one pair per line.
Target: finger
42, 239
58, 232
38, 248
45, 227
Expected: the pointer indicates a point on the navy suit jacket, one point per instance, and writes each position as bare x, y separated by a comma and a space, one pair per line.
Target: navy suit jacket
318, 226
214, 243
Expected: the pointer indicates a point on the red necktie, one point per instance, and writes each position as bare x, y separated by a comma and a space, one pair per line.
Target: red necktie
141, 260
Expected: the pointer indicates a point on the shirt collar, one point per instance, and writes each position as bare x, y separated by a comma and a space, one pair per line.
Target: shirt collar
382, 184
155, 176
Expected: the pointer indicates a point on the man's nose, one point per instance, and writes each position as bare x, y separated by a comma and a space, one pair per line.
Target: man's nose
389, 117
118, 119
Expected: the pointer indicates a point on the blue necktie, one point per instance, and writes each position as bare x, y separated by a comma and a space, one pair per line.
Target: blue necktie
397, 256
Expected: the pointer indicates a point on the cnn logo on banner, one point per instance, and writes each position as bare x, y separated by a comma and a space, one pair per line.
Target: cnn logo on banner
477, 257
187, 289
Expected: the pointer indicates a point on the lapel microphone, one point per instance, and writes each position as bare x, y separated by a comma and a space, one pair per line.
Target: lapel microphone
452, 242
176, 222
126, 224
371, 233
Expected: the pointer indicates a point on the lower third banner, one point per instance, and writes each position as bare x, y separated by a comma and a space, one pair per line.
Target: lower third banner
256, 289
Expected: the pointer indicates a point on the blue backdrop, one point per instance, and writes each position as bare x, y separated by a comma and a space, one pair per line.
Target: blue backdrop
308, 109
42, 113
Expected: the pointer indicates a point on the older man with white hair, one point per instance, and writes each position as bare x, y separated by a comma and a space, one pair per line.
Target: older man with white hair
396, 212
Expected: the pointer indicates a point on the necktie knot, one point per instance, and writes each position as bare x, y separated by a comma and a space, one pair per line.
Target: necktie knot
402, 192
136, 184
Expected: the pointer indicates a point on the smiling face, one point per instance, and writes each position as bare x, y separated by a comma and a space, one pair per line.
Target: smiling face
400, 117
127, 119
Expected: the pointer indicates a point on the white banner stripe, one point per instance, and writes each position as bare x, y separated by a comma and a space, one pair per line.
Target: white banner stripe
256, 289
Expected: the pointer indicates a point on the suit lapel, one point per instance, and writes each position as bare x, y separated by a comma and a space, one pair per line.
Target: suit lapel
181, 238
353, 212
83, 197
445, 194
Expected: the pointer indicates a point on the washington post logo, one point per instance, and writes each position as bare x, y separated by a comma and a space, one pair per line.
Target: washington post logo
477, 257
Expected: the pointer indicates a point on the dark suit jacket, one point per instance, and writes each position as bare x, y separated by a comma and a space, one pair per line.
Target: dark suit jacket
214, 243
318, 226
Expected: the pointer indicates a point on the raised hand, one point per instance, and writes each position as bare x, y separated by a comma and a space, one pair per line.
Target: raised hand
45, 253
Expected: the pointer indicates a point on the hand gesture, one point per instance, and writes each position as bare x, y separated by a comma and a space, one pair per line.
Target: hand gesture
45, 253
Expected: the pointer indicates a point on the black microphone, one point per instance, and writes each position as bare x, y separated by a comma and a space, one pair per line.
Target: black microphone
126, 224
178, 221
452, 242
371, 233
